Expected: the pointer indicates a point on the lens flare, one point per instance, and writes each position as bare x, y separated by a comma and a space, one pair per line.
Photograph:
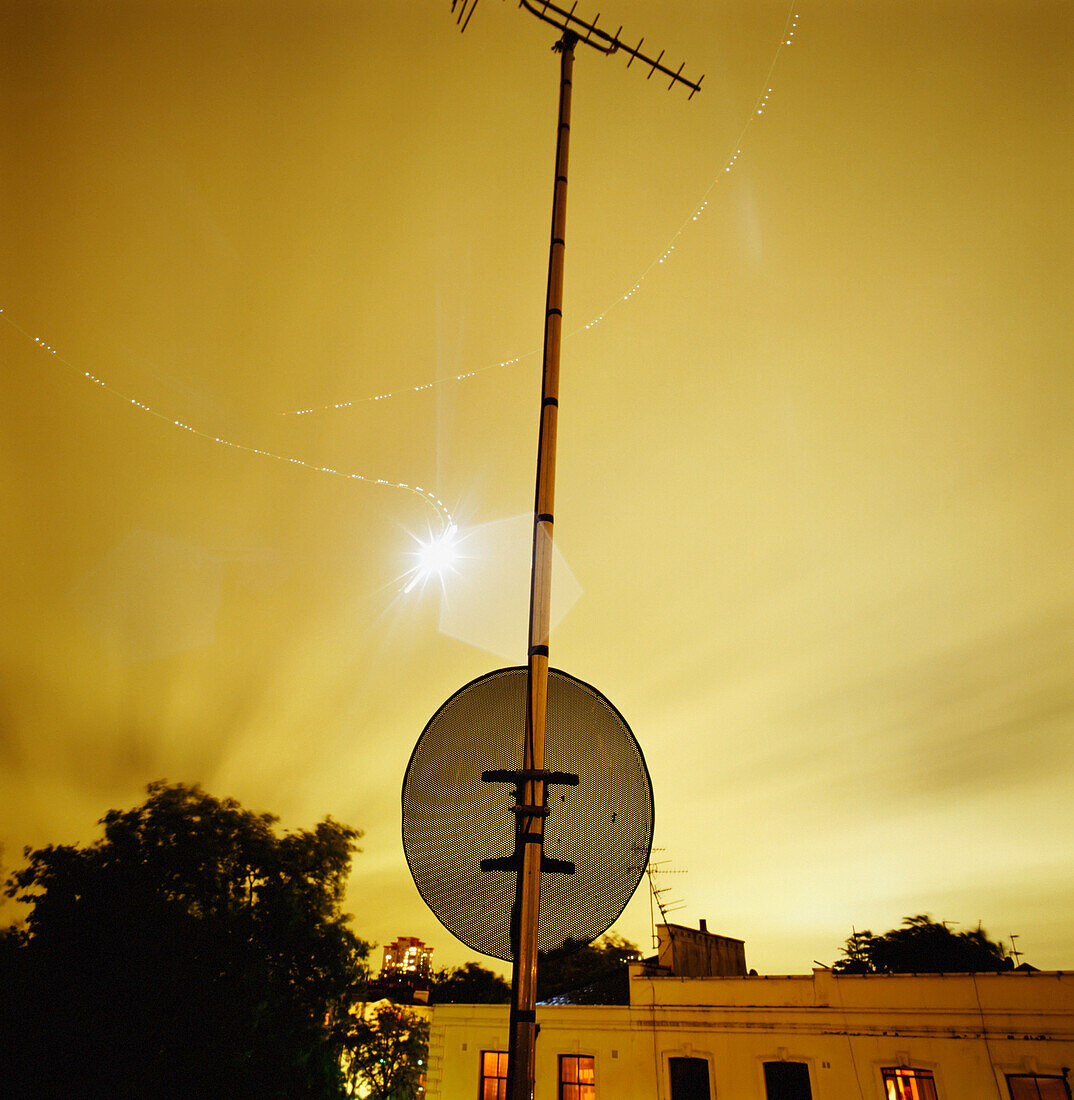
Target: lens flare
436, 557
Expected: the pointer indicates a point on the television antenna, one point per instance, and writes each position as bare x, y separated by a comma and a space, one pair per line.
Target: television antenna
533, 780
588, 33
656, 895
1014, 952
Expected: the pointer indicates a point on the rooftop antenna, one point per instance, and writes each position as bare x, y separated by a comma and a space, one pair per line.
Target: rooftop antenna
656, 897
533, 779
1014, 952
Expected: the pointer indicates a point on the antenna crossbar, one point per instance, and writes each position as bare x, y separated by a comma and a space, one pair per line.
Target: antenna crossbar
588, 33
606, 43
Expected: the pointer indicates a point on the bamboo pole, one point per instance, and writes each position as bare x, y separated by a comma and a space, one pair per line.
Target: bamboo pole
530, 826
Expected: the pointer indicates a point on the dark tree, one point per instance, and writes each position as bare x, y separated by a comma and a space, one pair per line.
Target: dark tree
191, 951
597, 974
922, 946
470, 984
387, 1049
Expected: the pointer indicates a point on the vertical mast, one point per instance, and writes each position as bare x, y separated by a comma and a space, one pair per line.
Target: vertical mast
531, 811
532, 781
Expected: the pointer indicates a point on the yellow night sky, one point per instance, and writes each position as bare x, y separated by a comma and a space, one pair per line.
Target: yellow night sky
814, 476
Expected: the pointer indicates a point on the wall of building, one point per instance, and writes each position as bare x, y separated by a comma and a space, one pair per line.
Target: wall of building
698, 953
969, 1030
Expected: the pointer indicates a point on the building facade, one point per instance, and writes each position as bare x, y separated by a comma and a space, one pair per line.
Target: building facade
407, 959
820, 1036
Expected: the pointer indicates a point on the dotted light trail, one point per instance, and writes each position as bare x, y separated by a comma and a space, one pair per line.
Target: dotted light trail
427, 495
790, 29
410, 389
430, 498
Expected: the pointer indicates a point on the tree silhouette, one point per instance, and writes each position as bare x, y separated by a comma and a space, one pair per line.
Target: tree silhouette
387, 1049
191, 951
594, 975
470, 984
921, 946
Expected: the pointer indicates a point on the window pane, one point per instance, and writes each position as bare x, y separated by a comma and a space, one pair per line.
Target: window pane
909, 1084
577, 1075
689, 1078
1029, 1086
1053, 1088
493, 1075
493, 1064
787, 1081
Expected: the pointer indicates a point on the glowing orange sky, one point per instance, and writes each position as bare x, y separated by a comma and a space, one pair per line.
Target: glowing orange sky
814, 476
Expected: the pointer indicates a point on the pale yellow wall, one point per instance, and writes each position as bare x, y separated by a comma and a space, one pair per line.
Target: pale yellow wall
968, 1030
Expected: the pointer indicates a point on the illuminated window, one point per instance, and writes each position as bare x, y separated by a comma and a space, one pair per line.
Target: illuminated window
1034, 1086
493, 1075
909, 1084
689, 1078
577, 1078
787, 1081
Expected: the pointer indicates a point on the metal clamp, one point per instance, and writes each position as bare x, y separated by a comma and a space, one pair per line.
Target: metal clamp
525, 775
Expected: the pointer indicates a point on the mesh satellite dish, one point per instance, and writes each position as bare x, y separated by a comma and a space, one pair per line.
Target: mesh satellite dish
459, 826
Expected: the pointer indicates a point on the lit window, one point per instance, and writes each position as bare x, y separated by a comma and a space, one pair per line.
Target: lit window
787, 1081
577, 1078
689, 1078
493, 1075
909, 1084
1035, 1086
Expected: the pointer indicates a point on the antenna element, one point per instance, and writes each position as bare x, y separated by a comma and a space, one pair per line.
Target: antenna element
587, 33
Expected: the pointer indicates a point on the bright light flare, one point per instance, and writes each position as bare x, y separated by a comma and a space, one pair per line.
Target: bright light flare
436, 557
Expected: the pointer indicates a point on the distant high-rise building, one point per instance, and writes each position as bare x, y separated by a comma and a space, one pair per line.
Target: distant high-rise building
407, 959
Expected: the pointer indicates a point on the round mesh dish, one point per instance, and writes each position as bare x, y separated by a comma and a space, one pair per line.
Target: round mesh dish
452, 820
